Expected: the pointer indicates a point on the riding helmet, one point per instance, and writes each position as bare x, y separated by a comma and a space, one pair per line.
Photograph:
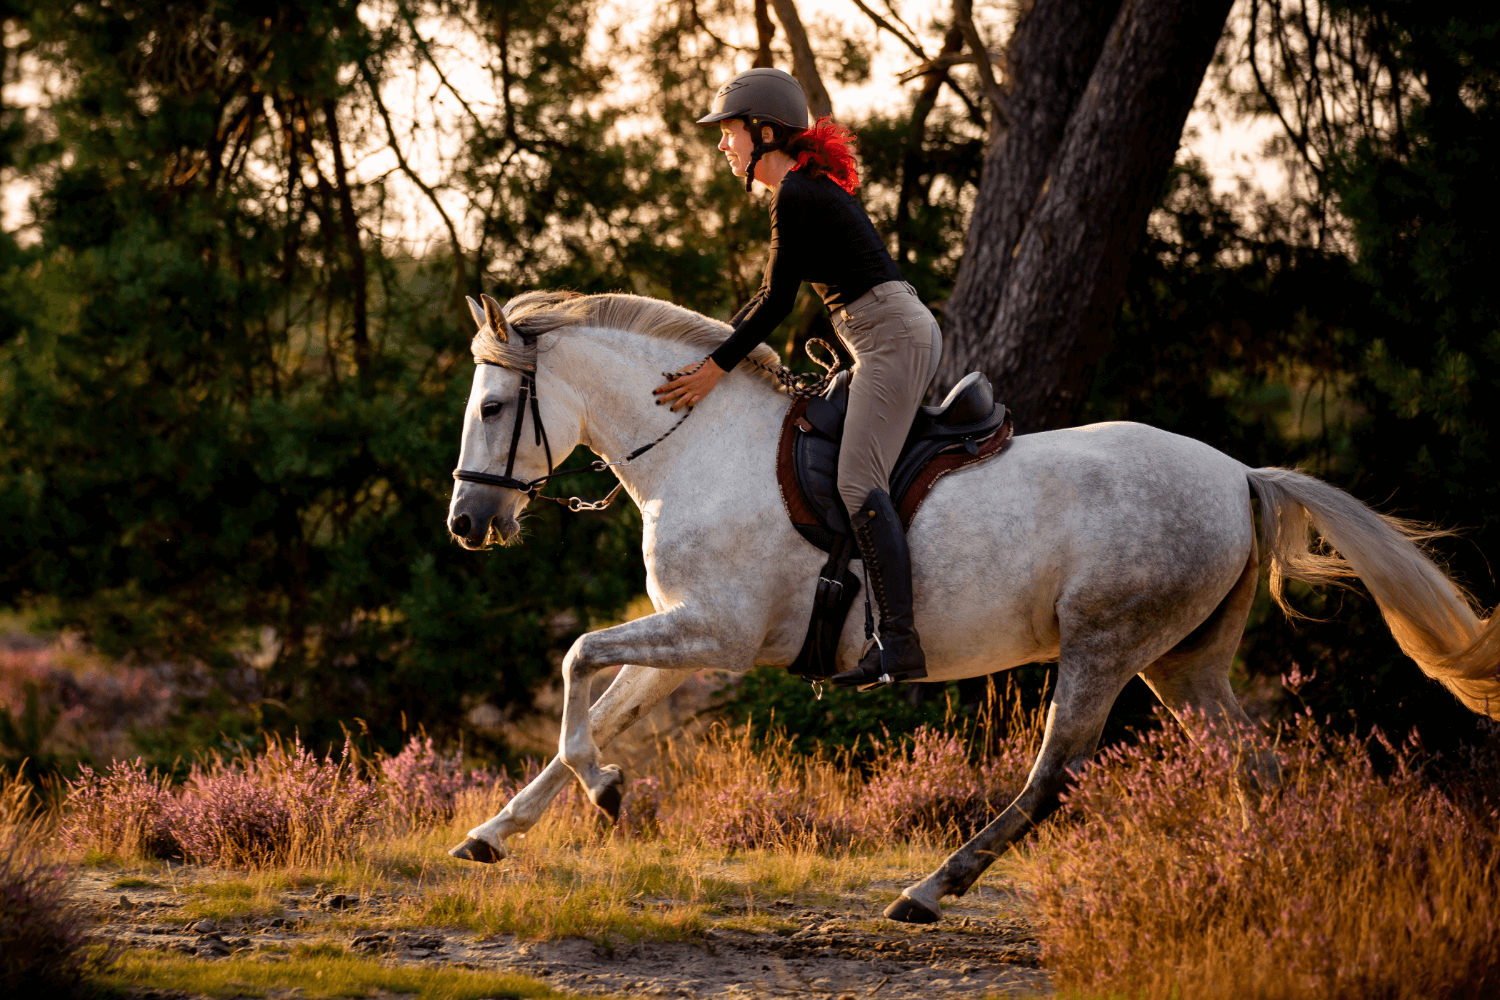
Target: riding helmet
760, 95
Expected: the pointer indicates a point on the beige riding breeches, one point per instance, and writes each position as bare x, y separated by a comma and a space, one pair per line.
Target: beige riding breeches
896, 346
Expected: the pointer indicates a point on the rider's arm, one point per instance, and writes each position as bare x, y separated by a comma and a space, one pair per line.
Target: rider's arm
777, 294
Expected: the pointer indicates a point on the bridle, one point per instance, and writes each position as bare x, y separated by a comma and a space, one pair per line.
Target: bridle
525, 395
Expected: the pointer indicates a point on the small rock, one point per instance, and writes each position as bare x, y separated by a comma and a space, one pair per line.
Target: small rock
204, 927
211, 945
371, 942
340, 902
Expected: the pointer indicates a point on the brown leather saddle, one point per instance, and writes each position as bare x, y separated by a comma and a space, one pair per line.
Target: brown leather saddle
966, 427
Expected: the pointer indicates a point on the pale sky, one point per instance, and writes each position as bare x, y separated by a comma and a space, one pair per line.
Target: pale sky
430, 121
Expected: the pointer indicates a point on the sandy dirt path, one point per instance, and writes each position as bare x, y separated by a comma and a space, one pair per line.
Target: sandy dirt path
986, 947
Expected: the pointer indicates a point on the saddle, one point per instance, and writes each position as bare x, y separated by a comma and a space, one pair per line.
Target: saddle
966, 427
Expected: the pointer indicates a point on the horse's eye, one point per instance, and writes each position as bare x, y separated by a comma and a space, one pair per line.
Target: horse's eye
489, 409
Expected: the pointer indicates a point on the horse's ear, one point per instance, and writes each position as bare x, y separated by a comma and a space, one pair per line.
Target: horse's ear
477, 311
495, 317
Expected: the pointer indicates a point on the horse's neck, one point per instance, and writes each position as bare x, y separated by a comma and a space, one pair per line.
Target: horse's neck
612, 375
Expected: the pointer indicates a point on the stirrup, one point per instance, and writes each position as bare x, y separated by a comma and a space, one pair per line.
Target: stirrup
870, 674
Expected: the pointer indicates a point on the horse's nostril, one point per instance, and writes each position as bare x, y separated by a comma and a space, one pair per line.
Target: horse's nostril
460, 526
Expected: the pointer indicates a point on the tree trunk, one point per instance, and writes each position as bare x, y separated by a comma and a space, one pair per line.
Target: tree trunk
358, 284
804, 67
1072, 173
765, 31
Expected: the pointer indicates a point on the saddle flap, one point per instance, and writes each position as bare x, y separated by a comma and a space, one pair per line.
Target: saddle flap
826, 418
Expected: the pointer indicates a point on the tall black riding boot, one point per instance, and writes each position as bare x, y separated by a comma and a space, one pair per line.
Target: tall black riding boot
897, 655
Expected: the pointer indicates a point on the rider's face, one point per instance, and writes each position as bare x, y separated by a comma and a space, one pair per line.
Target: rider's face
735, 143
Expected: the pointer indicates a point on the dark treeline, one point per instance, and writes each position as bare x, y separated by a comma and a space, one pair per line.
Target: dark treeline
230, 398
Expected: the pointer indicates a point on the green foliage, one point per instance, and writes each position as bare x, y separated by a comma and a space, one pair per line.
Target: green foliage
23, 733
229, 406
772, 700
1369, 367
229, 415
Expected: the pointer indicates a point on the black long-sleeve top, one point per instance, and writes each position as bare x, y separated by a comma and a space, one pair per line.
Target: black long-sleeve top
819, 233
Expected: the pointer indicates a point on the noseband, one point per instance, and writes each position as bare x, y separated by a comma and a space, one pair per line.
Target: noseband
532, 487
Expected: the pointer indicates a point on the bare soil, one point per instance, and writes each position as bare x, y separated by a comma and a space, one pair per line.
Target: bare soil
985, 946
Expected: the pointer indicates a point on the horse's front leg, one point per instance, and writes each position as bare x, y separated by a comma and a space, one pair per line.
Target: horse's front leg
632, 694
675, 640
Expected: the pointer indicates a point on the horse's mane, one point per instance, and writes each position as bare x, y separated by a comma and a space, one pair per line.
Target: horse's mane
532, 314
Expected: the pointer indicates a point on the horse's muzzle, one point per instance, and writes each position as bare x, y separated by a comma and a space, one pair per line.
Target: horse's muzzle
478, 533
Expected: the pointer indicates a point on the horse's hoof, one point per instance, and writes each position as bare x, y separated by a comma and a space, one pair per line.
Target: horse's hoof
474, 849
909, 911
608, 797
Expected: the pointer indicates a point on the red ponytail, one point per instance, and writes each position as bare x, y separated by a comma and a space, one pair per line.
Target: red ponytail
825, 150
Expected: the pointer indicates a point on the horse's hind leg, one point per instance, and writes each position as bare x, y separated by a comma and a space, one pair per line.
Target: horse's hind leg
632, 694
1192, 678
1088, 684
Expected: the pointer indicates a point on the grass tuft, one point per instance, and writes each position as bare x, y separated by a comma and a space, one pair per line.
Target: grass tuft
134, 882
316, 972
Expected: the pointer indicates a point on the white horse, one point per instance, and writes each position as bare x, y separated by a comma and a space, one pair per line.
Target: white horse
1116, 549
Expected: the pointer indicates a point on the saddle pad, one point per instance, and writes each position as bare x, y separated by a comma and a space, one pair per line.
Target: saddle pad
805, 519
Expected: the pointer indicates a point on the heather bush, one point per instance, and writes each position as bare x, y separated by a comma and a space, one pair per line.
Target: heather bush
44, 951
928, 788
125, 810
424, 784
283, 805
1179, 880
735, 792
641, 808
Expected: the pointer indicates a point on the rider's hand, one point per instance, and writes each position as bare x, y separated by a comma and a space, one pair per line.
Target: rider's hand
690, 386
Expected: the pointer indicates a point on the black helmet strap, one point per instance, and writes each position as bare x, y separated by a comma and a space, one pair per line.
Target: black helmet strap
759, 148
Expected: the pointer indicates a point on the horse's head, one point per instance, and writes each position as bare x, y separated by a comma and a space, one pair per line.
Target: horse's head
501, 436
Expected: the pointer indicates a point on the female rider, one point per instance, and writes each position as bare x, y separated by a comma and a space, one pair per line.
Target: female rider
821, 234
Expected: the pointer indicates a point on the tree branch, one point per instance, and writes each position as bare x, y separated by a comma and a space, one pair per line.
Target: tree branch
963, 13
390, 131
885, 25
804, 66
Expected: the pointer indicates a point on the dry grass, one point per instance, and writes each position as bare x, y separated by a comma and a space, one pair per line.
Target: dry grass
1346, 883
316, 972
1162, 879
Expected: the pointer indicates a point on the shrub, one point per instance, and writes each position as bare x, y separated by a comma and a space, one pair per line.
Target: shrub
424, 785
44, 952
929, 788
641, 809
124, 810
284, 805
736, 792
1345, 883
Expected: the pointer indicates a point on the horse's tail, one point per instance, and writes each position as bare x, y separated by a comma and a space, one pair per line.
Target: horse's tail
1432, 618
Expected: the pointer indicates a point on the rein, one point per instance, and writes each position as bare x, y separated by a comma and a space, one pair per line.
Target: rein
795, 386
